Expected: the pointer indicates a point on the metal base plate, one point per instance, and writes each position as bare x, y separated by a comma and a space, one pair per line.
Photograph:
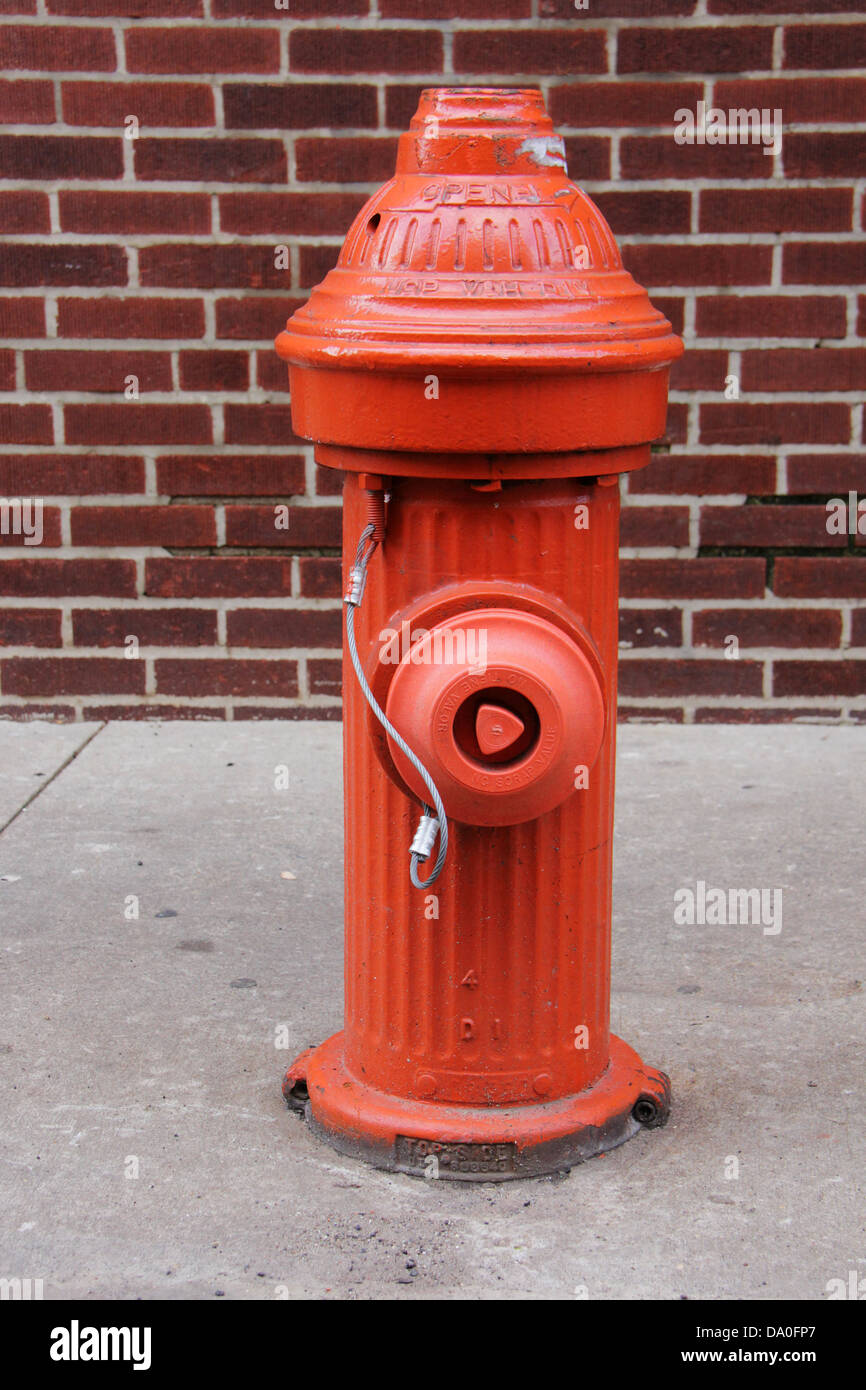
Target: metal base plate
470, 1143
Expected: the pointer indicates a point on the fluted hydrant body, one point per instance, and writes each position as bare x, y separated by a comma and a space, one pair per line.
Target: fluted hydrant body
482, 369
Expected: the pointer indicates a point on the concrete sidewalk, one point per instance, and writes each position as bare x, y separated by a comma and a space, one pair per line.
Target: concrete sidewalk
148, 1044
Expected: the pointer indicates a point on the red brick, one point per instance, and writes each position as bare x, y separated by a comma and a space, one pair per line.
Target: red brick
321, 578
588, 157
57, 714
75, 475
650, 627
401, 103
37, 263
804, 369
330, 712
779, 316
136, 526
366, 50
336, 160
819, 678
26, 103
764, 714
257, 320
676, 423
308, 526
677, 676
824, 262
705, 474
80, 370
48, 157
50, 531
265, 576
700, 371
654, 212
329, 482
648, 714
26, 424
618, 103
259, 424
683, 263
453, 9
614, 9
30, 627
315, 262
808, 7
154, 627
768, 627
23, 578
92, 211
24, 210
130, 318
289, 214
825, 46
699, 50
57, 48
188, 50
231, 475
144, 9
858, 627
565, 51
155, 709
824, 154
129, 422
705, 578
861, 314
660, 157
209, 267
211, 161
843, 576
766, 525
299, 106
71, 675
7, 369
154, 103
673, 309
17, 6
801, 99
300, 9
214, 371
826, 473
22, 318
776, 209
640, 525
325, 677
785, 422
223, 676
285, 627
271, 372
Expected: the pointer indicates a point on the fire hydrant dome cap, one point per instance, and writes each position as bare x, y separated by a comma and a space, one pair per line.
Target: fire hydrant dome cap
480, 253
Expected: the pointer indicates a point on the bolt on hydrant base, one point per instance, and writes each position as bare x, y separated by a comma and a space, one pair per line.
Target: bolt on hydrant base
482, 369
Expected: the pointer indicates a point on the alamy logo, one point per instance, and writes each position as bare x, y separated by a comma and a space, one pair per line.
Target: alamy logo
738, 126
77, 1343
443, 646
22, 516
21, 1290
717, 907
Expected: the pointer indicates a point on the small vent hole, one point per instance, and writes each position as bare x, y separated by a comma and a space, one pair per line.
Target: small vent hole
373, 223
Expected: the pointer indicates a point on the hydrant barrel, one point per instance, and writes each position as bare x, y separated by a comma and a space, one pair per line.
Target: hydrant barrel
481, 368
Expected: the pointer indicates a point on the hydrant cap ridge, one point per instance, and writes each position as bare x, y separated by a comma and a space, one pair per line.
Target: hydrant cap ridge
482, 255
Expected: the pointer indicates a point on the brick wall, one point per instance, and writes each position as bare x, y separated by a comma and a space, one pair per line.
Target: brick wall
154, 258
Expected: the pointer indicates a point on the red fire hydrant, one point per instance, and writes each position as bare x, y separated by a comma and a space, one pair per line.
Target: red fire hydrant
482, 369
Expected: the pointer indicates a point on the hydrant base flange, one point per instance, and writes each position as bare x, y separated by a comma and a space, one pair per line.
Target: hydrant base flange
475, 1143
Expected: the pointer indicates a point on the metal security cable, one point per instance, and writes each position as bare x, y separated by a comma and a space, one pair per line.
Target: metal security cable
430, 825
